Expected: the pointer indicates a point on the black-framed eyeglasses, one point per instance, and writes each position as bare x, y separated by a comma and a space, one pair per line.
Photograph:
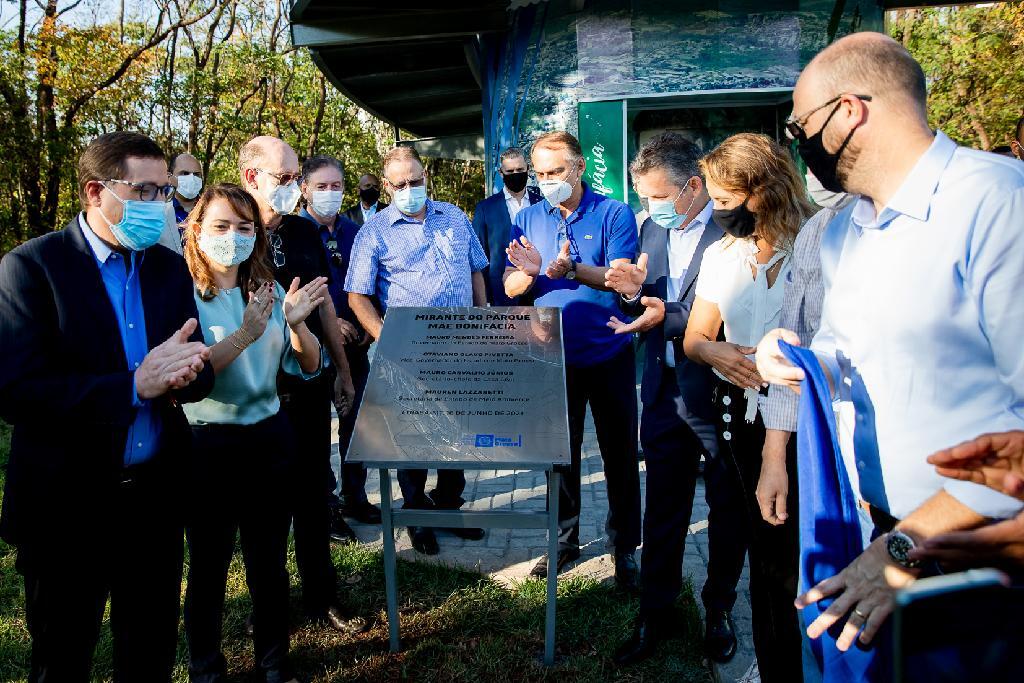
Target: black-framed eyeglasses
417, 182
147, 191
795, 124
283, 178
277, 247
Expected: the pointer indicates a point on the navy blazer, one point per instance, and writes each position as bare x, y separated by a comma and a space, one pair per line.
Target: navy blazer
66, 387
695, 381
493, 227
355, 213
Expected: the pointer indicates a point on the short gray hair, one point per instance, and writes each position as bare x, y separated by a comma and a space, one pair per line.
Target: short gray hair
669, 151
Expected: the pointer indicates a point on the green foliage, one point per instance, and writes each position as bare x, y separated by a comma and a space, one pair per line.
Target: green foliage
974, 63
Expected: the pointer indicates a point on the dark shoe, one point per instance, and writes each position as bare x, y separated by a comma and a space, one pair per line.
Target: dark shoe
647, 633
469, 534
423, 540
719, 636
347, 625
248, 626
627, 574
540, 570
341, 532
363, 512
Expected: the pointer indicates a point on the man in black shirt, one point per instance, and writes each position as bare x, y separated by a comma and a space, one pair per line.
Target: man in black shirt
270, 172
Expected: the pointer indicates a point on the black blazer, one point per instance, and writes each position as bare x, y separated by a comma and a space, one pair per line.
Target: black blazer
493, 227
355, 213
65, 385
695, 381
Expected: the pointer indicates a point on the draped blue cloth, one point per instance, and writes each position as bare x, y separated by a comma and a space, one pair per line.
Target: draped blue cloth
830, 530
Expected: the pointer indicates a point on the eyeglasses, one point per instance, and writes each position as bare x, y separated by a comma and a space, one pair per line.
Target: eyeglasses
398, 187
276, 245
795, 124
282, 178
147, 191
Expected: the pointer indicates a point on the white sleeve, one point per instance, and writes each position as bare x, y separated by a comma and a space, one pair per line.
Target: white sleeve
709, 278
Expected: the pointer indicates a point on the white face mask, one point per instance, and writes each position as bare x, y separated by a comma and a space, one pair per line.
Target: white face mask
326, 203
556, 191
821, 196
283, 198
189, 186
228, 249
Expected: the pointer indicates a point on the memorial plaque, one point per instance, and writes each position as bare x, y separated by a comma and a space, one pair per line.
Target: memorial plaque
465, 387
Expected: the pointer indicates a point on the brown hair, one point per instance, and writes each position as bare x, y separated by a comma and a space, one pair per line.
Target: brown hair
559, 139
255, 270
399, 153
758, 166
104, 158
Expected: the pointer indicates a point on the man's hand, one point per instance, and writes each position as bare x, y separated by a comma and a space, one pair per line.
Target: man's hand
344, 395
865, 595
349, 333
172, 365
772, 365
653, 315
627, 278
995, 460
998, 545
773, 484
524, 256
561, 265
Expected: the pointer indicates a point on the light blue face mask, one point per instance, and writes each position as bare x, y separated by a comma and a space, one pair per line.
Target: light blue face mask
663, 211
141, 222
410, 200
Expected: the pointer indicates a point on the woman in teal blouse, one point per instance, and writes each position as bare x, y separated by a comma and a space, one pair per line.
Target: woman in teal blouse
241, 443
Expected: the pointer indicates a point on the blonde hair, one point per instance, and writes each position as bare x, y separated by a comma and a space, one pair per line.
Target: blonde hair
759, 167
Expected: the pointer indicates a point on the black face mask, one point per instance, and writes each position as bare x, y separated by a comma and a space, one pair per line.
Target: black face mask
738, 222
822, 163
515, 182
369, 195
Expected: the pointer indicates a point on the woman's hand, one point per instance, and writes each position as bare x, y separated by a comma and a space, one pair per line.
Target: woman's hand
299, 302
258, 310
731, 360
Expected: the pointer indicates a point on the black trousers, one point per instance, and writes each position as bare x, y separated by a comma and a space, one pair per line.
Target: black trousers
238, 485
308, 408
610, 389
774, 550
133, 556
671, 452
353, 475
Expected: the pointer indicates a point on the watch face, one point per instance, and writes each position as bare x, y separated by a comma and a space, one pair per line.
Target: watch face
899, 546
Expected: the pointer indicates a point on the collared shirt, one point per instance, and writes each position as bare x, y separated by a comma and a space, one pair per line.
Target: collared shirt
406, 262
599, 231
368, 213
922, 324
337, 241
682, 245
180, 212
304, 258
513, 204
125, 294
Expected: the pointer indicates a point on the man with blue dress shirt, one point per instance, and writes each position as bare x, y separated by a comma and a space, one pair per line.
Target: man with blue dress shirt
921, 326
492, 220
417, 252
101, 347
323, 186
558, 255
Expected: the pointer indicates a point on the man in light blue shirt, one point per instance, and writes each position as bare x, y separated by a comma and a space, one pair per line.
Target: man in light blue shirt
417, 252
921, 325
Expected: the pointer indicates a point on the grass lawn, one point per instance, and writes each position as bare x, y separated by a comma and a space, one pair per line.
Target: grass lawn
456, 626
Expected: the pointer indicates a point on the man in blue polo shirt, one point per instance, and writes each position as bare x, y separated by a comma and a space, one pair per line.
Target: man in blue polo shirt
559, 252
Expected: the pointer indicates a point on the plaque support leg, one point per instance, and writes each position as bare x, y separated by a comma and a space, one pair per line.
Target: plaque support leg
549, 620
390, 573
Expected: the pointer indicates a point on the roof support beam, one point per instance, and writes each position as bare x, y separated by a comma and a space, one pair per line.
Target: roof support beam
410, 26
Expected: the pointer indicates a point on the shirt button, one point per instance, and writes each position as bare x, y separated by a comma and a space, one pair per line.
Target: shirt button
136, 364
726, 418
139, 444
727, 436
131, 326
861, 464
726, 400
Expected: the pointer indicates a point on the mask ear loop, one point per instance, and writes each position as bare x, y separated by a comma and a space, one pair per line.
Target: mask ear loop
110, 224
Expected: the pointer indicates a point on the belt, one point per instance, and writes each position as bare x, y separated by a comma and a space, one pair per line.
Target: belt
881, 519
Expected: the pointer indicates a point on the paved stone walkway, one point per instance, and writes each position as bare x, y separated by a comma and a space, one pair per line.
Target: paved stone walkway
508, 555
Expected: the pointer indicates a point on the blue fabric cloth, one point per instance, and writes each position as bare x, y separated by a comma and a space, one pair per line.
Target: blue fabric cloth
830, 529
125, 294
599, 231
343, 235
406, 262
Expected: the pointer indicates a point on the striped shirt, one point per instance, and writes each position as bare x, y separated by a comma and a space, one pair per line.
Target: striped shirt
405, 262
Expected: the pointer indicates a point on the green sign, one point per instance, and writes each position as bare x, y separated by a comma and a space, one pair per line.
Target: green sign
602, 127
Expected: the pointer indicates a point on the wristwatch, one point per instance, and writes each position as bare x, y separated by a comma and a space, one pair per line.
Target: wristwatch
571, 273
899, 546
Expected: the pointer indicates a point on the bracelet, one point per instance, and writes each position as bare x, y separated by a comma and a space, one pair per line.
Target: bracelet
240, 347
245, 337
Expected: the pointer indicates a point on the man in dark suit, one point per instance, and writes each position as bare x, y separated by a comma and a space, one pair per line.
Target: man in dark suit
101, 348
677, 425
369, 203
492, 220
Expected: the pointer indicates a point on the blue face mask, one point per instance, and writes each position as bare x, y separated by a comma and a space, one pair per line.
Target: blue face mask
410, 200
663, 211
141, 223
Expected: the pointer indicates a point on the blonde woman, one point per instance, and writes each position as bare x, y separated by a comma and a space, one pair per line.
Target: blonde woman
760, 202
241, 456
